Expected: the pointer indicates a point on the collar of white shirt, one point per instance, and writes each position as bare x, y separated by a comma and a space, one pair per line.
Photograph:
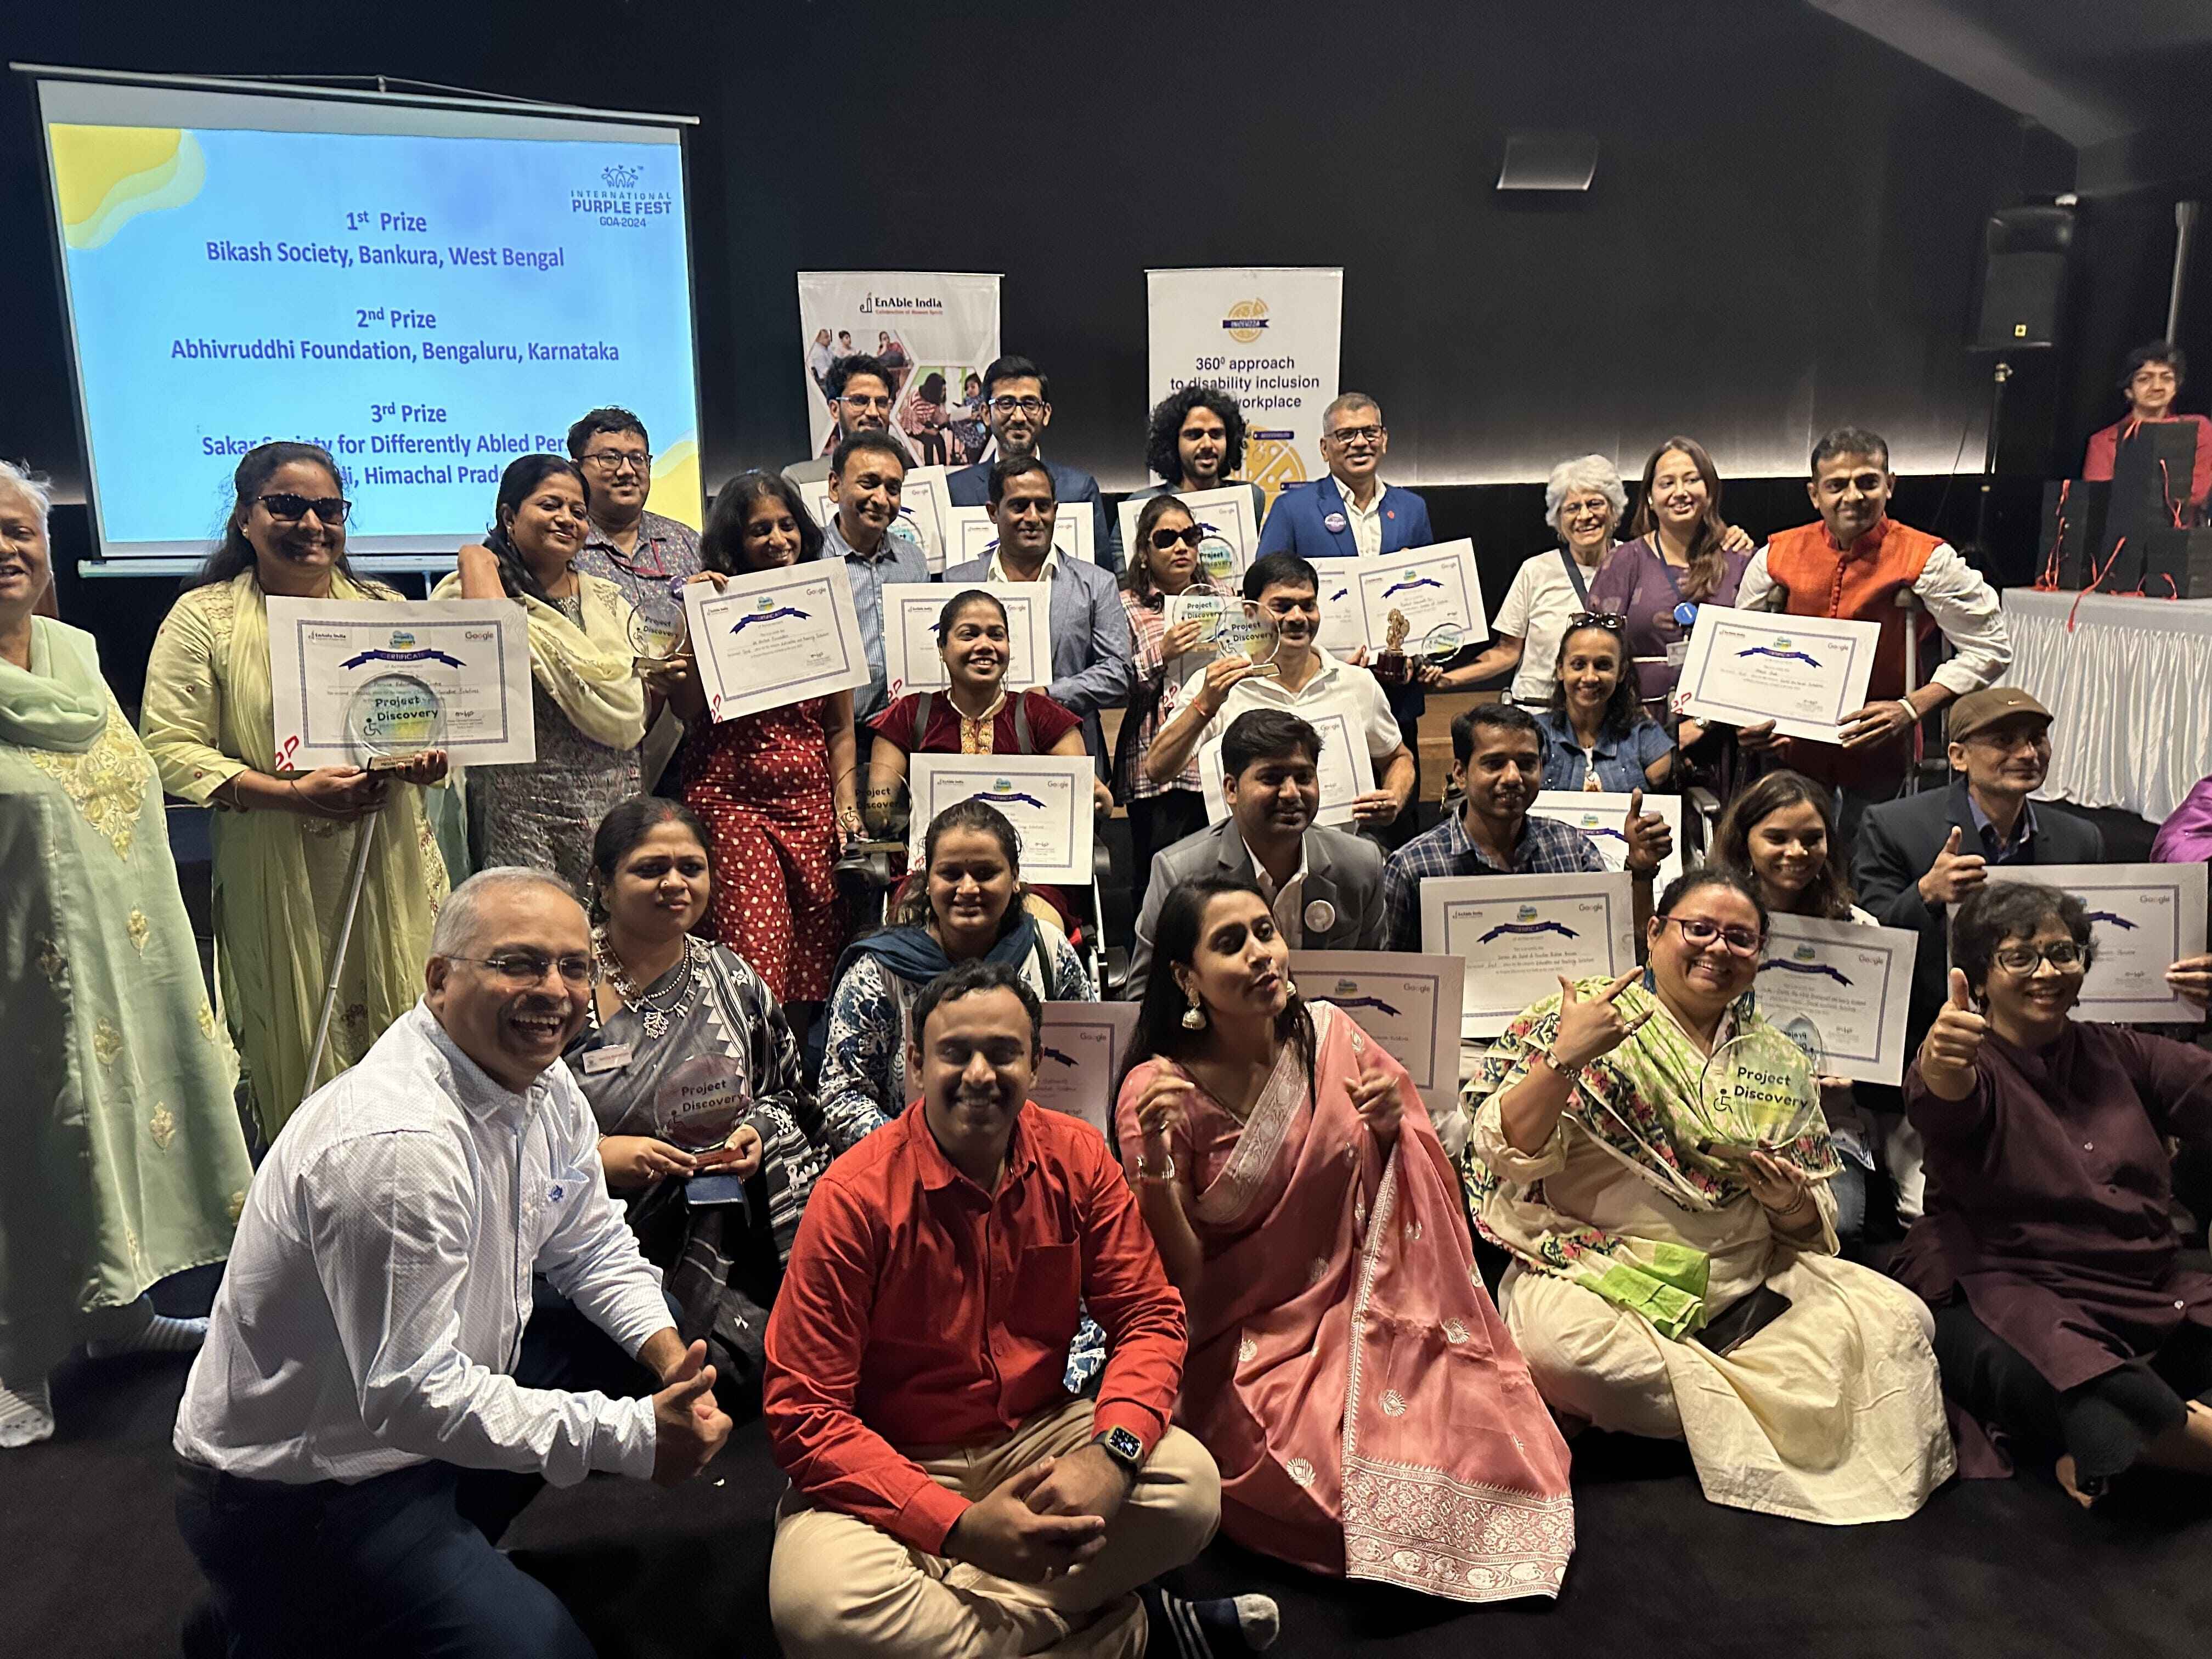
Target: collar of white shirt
477, 1090
1374, 502
1284, 904
997, 572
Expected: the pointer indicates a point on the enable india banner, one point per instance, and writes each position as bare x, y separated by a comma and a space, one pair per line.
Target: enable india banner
937, 331
1267, 335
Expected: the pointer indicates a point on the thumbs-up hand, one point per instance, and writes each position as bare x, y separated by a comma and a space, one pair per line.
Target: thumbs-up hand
688, 1427
1948, 1051
1650, 840
1953, 875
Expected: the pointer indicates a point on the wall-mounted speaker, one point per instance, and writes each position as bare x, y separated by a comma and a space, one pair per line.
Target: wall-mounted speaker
2025, 253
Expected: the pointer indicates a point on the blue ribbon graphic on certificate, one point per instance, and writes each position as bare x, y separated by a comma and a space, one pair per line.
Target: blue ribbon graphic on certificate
1520, 935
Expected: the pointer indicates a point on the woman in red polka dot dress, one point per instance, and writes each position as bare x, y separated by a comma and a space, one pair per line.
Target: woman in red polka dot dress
775, 789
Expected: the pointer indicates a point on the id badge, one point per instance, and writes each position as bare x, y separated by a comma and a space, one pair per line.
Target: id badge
1678, 653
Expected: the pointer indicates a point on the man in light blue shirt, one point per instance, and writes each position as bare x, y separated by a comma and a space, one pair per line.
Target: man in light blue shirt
1092, 652
866, 474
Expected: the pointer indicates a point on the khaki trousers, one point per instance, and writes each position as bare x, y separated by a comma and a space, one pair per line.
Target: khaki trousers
838, 1586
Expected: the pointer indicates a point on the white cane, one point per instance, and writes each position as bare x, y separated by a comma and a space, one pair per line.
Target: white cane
338, 953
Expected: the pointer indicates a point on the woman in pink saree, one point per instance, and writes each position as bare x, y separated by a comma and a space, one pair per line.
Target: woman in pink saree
1369, 1413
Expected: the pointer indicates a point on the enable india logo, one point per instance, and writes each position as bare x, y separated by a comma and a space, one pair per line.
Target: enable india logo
1245, 321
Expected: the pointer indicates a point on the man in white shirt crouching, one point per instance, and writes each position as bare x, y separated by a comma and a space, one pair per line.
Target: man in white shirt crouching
369, 1413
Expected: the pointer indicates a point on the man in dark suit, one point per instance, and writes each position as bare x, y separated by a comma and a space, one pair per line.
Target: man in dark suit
1351, 514
1918, 855
1017, 407
1324, 885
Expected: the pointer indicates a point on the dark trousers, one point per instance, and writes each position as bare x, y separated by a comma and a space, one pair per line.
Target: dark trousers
403, 1563
2103, 1423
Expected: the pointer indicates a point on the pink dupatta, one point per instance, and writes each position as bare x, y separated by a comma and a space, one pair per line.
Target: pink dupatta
1371, 1414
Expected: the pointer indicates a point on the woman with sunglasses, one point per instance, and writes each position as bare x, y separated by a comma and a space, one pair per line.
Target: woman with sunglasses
1162, 563
1670, 1283
2064, 1317
1597, 736
284, 836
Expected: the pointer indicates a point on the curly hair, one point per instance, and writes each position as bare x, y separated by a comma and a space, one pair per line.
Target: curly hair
1162, 455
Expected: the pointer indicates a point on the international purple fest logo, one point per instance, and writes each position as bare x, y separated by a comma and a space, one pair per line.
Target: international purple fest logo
615, 200
621, 177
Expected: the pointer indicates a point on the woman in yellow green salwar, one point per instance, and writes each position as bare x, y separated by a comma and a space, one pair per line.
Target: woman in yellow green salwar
121, 1159
284, 839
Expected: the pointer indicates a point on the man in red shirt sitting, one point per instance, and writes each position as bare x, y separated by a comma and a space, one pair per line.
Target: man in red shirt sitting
948, 1495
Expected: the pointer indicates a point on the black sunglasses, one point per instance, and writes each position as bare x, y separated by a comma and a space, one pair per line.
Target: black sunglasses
1611, 620
1164, 538
330, 509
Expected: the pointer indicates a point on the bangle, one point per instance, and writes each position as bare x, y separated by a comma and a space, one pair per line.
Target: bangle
1911, 715
1157, 1177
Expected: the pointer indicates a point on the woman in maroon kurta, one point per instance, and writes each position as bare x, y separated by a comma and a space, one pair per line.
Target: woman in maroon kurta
774, 788
2064, 1317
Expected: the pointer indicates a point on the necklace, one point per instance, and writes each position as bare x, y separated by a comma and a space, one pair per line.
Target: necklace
655, 1017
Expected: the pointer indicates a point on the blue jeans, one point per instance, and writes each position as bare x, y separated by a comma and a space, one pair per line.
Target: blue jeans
403, 1563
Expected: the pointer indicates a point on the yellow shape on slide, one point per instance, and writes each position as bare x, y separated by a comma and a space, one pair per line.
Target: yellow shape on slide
107, 176
674, 491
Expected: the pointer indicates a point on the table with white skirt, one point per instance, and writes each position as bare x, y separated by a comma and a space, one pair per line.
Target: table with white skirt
2128, 684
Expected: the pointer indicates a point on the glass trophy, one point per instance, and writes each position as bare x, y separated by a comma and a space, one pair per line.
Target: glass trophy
656, 630
886, 810
1212, 612
1442, 642
698, 1106
1215, 557
1757, 1094
392, 719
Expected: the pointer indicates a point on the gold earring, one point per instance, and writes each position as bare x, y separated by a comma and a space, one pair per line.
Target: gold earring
1289, 987
1193, 1018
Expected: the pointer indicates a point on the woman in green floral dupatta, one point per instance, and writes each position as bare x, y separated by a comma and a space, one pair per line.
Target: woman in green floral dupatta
1638, 1228
284, 839
121, 1161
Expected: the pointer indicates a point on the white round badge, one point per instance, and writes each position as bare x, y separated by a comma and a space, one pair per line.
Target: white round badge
1335, 523
1321, 915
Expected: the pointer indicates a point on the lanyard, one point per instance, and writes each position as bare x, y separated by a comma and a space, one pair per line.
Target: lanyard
1575, 575
1685, 612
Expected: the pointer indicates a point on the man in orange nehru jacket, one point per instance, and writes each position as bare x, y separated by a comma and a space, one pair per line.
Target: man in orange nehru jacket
1853, 564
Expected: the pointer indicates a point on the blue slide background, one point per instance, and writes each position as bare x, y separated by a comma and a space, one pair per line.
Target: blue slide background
151, 414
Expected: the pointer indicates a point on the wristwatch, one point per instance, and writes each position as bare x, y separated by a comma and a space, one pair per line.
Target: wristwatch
1123, 1447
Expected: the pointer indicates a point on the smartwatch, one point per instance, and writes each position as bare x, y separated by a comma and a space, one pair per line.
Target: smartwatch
1123, 1447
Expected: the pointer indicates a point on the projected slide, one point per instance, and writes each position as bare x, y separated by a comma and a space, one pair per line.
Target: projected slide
426, 304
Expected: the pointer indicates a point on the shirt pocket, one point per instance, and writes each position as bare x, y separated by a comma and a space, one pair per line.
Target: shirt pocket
1047, 1293
556, 1199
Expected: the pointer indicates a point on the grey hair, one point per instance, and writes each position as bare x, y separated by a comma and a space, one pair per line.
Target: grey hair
32, 484
462, 914
1583, 472
1348, 400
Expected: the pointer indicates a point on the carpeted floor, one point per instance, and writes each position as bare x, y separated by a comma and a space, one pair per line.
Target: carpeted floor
91, 1566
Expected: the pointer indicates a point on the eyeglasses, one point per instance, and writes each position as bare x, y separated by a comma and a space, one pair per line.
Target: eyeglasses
862, 400
1164, 538
2062, 954
613, 460
1611, 620
1698, 933
330, 509
1030, 406
1357, 435
525, 967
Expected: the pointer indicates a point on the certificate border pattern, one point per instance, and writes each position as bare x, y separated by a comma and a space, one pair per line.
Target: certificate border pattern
309, 743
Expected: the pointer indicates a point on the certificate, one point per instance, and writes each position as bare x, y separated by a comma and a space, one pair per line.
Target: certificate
1079, 1065
1840, 991
1520, 934
1602, 817
969, 534
1431, 587
910, 614
1229, 527
1804, 673
1409, 1004
2143, 918
1047, 797
775, 636
473, 653
1346, 769
924, 499
1343, 624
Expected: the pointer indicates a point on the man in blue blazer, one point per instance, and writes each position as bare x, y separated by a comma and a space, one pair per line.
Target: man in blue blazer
1092, 652
1352, 512
1017, 407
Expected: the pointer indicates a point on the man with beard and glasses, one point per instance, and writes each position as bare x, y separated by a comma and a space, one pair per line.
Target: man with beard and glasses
1324, 886
861, 400
1092, 652
376, 1400
948, 1495
1018, 405
1497, 759
1288, 670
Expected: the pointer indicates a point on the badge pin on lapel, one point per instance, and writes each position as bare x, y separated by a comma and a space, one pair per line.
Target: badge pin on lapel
1335, 523
1321, 915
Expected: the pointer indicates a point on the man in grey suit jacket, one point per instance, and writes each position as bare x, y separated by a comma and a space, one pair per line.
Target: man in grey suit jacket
1917, 856
1324, 885
1092, 652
